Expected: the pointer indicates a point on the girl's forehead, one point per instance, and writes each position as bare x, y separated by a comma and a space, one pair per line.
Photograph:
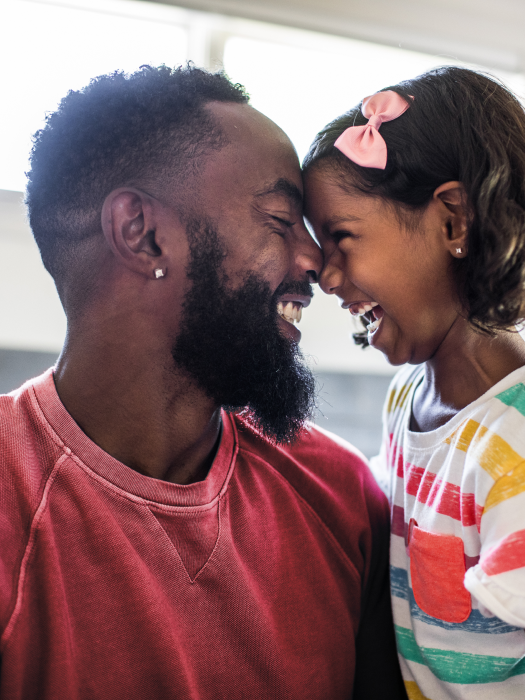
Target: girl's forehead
326, 195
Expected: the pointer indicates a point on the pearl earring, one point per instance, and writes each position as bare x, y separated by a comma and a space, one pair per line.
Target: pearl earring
158, 273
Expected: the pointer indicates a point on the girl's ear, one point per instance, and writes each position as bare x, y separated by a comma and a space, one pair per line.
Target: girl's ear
455, 215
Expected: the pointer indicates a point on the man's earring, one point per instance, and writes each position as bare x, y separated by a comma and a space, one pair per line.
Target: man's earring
459, 251
158, 272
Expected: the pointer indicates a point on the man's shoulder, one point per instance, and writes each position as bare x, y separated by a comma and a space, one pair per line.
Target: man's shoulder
26, 447
327, 472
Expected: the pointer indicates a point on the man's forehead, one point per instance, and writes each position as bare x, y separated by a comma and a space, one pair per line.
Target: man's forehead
282, 187
258, 155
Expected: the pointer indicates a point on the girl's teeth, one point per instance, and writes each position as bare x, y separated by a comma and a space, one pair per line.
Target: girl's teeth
360, 310
372, 327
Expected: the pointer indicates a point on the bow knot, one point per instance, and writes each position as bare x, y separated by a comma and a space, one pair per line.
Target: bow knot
364, 145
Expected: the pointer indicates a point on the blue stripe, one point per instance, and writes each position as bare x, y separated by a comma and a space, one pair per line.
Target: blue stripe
475, 622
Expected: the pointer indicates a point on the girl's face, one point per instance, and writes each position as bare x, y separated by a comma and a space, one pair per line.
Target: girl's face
402, 279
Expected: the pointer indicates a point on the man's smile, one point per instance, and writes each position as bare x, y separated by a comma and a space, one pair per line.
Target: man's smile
290, 307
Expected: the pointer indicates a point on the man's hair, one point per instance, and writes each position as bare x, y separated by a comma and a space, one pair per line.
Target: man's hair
461, 125
148, 129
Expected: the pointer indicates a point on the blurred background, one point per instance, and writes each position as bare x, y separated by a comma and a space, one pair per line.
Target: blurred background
303, 63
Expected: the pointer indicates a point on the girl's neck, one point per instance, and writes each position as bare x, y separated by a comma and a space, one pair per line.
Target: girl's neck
467, 364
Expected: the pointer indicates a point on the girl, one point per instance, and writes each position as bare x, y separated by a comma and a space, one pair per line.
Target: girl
417, 198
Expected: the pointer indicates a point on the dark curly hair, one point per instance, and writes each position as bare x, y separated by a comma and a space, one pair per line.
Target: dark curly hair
143, 129
461, 125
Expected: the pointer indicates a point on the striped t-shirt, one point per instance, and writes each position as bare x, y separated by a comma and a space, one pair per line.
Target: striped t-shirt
457, 498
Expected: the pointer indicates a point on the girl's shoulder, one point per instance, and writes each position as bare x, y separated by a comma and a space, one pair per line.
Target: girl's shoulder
495, 423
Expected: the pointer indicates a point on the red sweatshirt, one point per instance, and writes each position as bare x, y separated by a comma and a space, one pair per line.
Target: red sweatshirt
265, 581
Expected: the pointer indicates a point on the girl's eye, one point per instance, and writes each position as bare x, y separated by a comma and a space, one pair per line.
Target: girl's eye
338, 236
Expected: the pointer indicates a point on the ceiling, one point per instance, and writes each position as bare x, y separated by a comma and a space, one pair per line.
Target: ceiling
482, 31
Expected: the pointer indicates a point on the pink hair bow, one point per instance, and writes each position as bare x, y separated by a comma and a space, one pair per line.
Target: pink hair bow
364, 145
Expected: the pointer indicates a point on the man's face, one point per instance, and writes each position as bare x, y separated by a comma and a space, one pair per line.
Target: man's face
250, 258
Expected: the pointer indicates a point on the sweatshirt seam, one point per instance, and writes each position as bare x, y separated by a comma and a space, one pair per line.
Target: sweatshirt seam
327, 530
28, 551
119, 491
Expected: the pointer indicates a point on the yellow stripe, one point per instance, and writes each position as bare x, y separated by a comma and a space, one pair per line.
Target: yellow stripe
491, 452
464, 434
413, 691
391, 400
403, 395
507, 486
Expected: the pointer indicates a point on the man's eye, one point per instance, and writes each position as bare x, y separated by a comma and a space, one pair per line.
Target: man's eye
284, 222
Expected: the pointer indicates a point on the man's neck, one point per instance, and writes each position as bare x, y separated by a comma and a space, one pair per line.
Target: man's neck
133, 404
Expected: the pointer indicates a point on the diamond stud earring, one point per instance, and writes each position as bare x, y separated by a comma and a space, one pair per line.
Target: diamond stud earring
459, 251
158, 273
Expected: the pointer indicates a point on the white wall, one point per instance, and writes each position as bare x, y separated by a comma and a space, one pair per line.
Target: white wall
31, 317
479, 31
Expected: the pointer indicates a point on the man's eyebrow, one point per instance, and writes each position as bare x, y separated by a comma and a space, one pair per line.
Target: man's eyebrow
286, 188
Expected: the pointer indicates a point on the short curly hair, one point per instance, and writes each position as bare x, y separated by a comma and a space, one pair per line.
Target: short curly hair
142, 129
462, 125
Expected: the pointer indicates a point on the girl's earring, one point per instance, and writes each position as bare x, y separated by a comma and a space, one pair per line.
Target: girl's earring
158, 272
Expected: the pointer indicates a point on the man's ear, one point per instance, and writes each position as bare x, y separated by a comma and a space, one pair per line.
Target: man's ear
129, 226
456, 216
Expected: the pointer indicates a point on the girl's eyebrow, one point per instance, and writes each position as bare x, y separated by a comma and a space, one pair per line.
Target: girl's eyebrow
337, 220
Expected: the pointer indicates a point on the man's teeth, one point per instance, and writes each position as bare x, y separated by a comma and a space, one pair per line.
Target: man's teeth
361, 310
372, 327
290, 312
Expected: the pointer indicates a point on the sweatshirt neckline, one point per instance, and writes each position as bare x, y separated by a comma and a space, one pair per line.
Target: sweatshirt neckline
116, 474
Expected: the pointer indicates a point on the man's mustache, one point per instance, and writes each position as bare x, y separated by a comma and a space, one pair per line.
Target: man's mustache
303, 288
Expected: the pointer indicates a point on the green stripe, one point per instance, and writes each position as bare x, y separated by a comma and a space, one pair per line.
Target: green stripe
515, 396
457, 666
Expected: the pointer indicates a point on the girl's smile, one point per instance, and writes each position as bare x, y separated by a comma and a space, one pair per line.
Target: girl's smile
396, 274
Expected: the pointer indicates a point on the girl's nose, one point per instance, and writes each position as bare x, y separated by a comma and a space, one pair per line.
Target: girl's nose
309, 257
331, 278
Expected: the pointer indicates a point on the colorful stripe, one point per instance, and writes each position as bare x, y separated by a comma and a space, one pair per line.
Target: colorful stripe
413, 691
476, 622
515, 396
398, 526
445, 498
506, 487
488, 449
507, 555
399, 400
458, 667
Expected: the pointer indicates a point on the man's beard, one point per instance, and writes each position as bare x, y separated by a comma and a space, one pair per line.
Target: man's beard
230, 343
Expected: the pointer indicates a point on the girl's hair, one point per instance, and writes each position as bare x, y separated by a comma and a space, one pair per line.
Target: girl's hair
461, 125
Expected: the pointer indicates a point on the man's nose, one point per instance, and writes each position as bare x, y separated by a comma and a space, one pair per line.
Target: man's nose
308, 257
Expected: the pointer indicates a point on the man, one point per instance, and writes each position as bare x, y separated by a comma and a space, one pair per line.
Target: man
169, 530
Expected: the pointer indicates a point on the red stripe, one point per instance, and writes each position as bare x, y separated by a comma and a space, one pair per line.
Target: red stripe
400, 528
507, 555
443, 497
470, 561
398, 521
